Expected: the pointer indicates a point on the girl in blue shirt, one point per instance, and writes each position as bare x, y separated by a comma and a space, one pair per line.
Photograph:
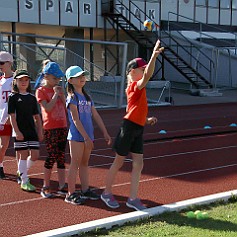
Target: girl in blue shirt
81, 110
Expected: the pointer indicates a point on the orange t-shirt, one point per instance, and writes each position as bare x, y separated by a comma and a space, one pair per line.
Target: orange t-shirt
56, 118
137, 108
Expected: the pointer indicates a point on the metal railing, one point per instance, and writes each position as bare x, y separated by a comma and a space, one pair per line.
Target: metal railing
30, 56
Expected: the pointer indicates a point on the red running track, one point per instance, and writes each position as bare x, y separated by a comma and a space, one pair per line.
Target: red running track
175, 169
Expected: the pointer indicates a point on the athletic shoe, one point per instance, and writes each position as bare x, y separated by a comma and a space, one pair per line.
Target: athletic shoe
28, 187
89, 194
63, 191
18, 179
74, 199
2, 174
45, 193
109, 200
135, 204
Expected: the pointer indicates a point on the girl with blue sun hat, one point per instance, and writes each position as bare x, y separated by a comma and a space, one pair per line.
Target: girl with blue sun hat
50, 96
50, 68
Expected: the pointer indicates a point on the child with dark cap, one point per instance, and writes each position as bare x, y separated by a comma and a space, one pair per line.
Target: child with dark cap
130, 136
27, 125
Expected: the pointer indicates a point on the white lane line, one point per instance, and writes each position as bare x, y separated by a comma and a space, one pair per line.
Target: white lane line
176, 175
21, 202
128, 183
174, 154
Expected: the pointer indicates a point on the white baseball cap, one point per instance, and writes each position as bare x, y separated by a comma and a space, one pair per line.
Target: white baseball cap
5, 57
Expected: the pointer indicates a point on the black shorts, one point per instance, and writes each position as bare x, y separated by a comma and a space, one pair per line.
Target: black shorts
129, 139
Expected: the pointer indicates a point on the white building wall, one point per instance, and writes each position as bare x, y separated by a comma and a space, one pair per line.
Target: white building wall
201, 14
87, 13
186, 8
213, 16
168, 6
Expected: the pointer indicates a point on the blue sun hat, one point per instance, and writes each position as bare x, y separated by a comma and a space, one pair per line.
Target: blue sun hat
75, 71
50, 68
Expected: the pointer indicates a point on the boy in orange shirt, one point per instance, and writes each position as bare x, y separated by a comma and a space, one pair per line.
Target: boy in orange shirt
130, 136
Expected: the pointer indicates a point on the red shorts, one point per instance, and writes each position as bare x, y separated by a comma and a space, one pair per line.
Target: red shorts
5, 130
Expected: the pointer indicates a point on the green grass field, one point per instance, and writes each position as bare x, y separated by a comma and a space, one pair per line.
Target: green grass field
221, 222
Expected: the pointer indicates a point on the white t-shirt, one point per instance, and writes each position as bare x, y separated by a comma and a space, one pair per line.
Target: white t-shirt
5, 90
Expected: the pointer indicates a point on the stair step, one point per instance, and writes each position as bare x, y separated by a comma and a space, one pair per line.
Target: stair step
210, 92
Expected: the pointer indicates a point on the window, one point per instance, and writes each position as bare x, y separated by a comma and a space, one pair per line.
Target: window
213, 3
225, 4
201, 3
234, 4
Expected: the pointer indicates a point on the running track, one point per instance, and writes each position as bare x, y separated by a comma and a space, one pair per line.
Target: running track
185, 163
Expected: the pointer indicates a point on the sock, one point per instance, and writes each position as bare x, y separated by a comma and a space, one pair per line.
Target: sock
23, 171
1, 164
29, 162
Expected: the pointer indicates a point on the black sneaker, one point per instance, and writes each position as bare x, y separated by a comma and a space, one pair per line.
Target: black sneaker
63, 191
2, 175
89, 194
74, 199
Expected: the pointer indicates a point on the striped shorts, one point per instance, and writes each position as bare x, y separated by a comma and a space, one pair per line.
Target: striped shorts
26, 145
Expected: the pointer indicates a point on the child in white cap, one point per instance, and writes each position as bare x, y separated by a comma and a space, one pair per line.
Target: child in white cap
6, 79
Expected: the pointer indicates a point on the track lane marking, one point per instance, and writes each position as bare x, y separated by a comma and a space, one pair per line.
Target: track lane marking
128, 183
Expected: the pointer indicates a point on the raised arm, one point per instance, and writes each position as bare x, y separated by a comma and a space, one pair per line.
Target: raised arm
149, 70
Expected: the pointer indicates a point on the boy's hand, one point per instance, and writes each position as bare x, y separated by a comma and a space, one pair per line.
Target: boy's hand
152, 121
157, 49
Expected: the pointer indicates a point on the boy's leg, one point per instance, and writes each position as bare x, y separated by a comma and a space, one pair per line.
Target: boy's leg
107, 196
134, 202
137, 167
117, 164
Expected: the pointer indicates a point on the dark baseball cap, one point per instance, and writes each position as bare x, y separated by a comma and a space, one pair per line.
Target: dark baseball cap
21, 73
136, 63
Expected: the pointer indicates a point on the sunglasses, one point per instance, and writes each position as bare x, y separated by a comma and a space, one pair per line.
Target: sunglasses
2, 63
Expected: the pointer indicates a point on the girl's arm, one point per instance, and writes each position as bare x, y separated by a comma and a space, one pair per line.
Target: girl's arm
101, 125
149, 70
79, 126
48, 106
62, 95
19, 135
38, 123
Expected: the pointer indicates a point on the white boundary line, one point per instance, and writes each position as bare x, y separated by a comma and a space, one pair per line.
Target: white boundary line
109, 222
